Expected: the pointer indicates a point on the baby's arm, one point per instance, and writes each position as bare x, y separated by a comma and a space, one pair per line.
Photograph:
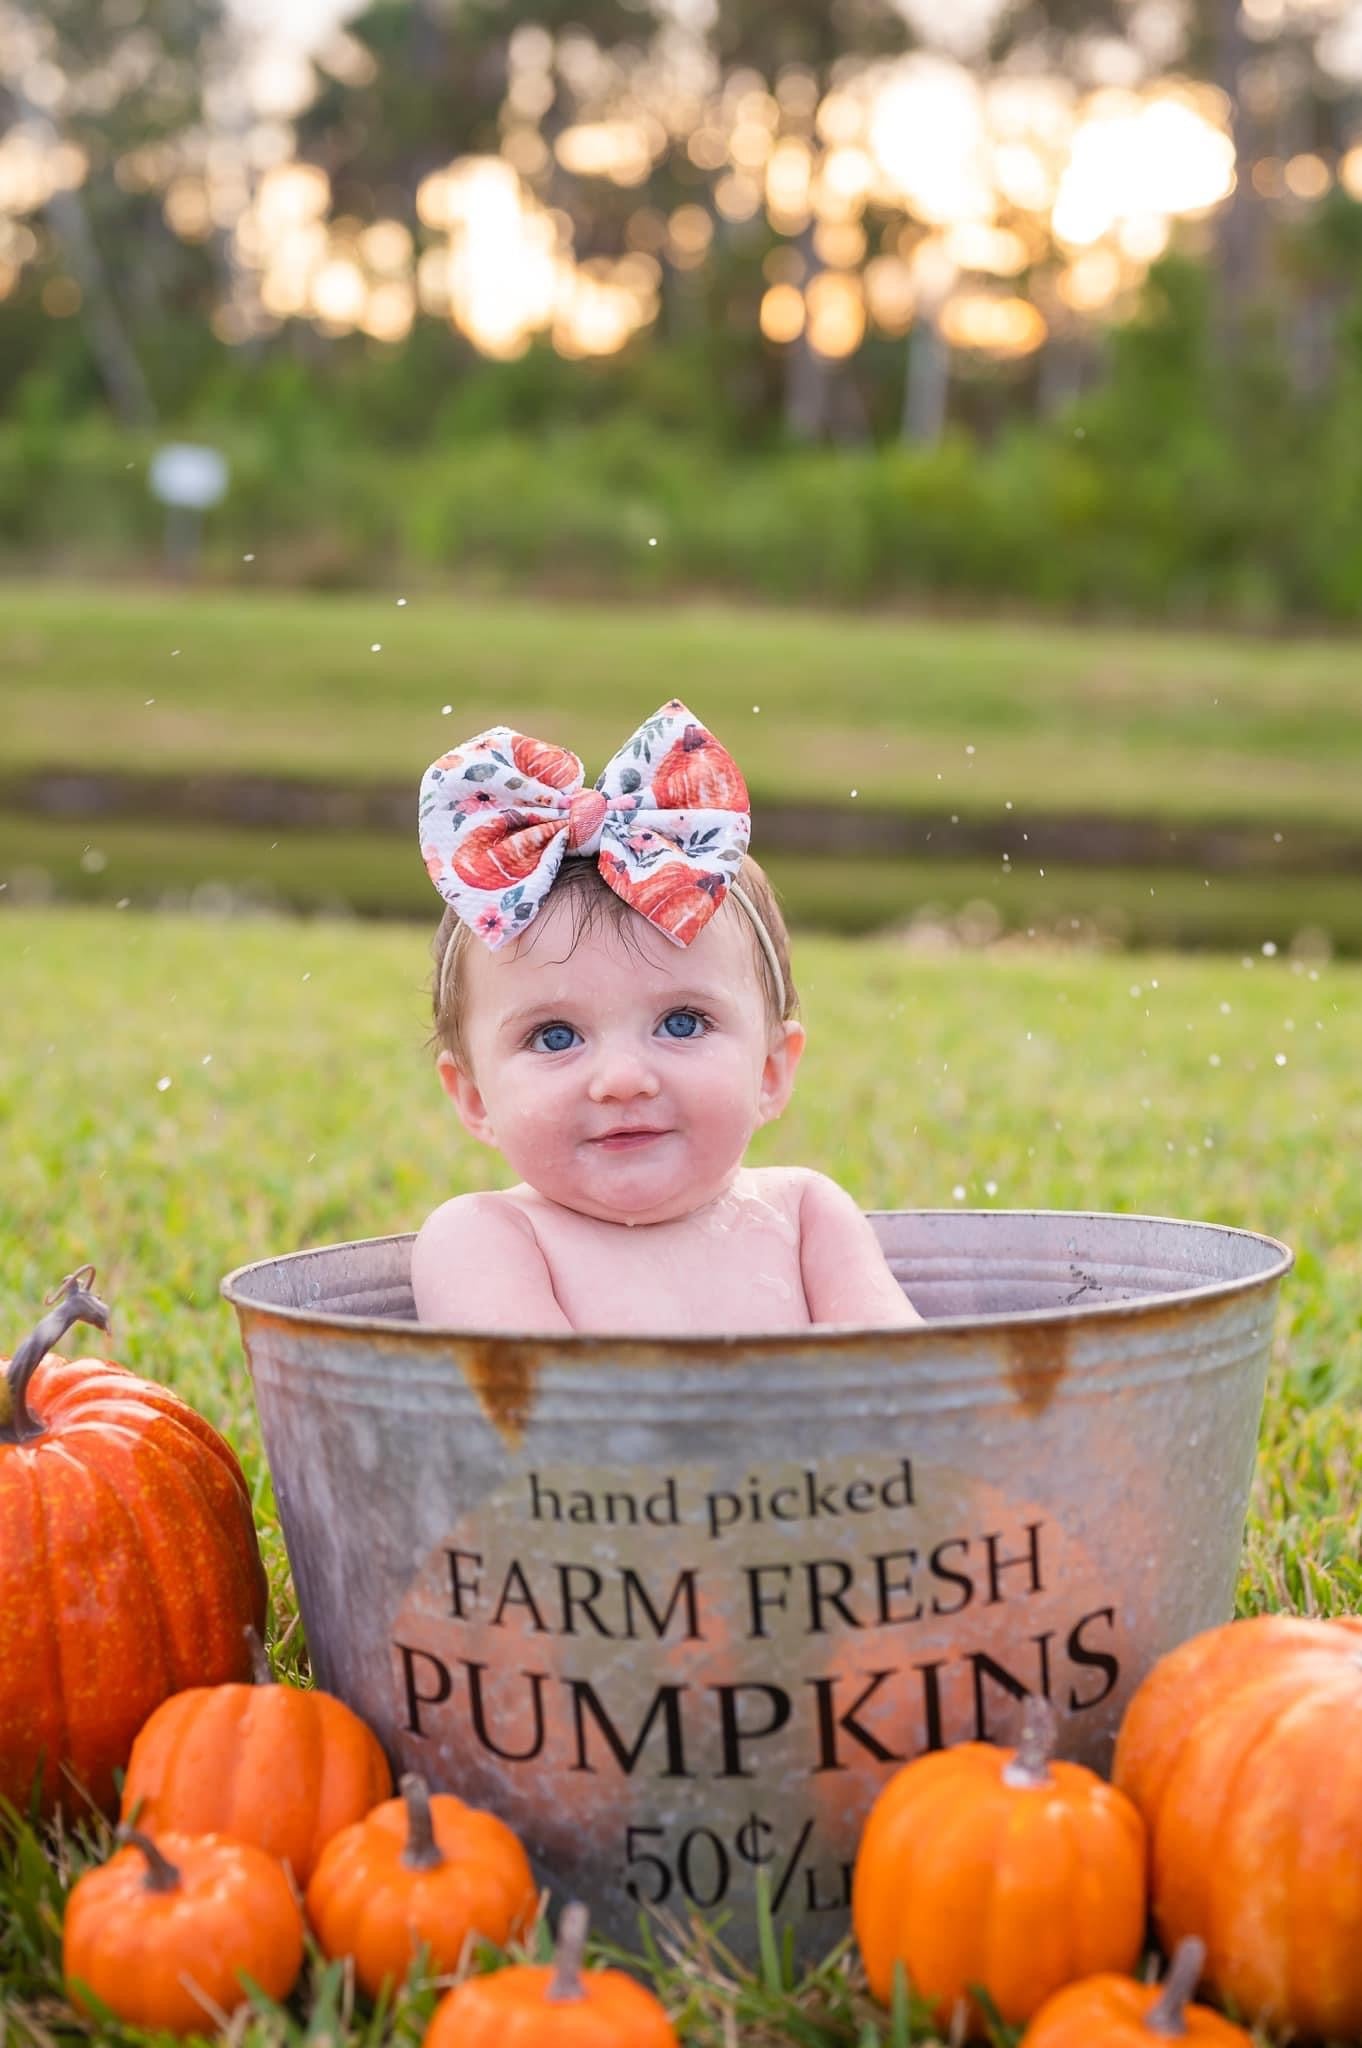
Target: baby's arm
846, 1278
477, 1265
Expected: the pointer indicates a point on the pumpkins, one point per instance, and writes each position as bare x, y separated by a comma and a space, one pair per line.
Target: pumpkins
533, 2005
128, 1561
1116, 2012
163, 1933
418, 1870
263, 1763
1000, 1868
1241, 1750
676, 897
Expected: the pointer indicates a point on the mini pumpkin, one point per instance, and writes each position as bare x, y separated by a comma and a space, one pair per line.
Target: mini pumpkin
1001, 1868
1240, 1749
271, 1764
418, 1870
697, 773
163, 1933
537, 2005
128, 1561
1116, 2012
503, 851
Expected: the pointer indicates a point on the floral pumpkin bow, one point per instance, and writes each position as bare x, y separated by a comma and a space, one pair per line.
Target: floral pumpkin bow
668, 822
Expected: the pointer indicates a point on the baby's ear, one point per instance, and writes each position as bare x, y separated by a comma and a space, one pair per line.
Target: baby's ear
778, 1074
463, 1092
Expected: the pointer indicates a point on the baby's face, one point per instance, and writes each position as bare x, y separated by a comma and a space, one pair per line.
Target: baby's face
623, 1079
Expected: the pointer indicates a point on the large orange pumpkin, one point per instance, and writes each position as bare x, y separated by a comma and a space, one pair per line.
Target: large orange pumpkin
1116, 2012
503, 851
533, 2005
997, 1867
163, 1933
1241, 1749
418, 1870
271, 1764
128, 1561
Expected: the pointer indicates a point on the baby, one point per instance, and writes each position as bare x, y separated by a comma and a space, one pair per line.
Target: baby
617, 1023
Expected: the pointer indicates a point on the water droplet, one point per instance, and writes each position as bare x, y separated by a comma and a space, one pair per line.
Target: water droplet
1214, 1060
969, 750
376, 647
149, 700
1225, 1009
957, 1193
990, 1187
1279, 1059
400, 602
207, 1060
248, 558
94, 860
174, 651
1269, 948
445, 710
855, 792
1277, 838
123, 903
755, 709
163, 1084
652, 542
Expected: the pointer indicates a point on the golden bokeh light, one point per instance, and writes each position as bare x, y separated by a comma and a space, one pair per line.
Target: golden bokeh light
1091, 281
789, 174
618, 150
835, 305
1307, 176
737, 196
839, 244
690, 230
993, 325
782, 313
1350, 173
890, 294
973, 245
185, 206
386, 247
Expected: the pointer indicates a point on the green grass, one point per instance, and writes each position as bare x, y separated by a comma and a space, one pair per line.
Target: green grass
301, 1109
1123, 722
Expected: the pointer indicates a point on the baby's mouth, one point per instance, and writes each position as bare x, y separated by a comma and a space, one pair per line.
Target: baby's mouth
629, 1137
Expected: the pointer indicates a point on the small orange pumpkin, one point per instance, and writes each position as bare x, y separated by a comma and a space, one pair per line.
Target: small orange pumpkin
163, 1933
418, 1870
546, 763
677, 898
697, 773
128, 1560
1240, 1749
535, 2005
504, 850
271, 1764
1116, 2012
998, 1867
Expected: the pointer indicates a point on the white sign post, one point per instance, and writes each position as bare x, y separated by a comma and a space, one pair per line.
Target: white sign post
188, 480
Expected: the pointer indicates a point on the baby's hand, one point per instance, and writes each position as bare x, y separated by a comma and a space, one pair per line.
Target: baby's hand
476, 1265
846, 1277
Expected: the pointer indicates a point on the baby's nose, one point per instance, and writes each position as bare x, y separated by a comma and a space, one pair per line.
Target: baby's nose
621, 1073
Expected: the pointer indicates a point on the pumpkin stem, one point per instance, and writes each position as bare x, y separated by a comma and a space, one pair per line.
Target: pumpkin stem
1031, 1763
74, 1304
1166, 2017
422, 1852
262, 1672
162, 1875
565, 1986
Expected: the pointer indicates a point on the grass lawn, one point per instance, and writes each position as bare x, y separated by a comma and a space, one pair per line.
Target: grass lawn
1061, 718
181, 1095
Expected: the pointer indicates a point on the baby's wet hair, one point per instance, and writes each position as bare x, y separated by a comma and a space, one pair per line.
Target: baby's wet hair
593, 904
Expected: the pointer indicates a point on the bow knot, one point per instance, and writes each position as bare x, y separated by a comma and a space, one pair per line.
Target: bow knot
586, 815
668, 822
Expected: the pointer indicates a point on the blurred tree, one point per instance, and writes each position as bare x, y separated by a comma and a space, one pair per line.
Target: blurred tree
118, 81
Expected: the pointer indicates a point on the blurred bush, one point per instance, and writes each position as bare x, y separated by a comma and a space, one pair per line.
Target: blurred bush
1180, 488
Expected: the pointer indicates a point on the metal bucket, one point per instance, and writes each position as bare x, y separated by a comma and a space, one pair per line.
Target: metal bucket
676, 1608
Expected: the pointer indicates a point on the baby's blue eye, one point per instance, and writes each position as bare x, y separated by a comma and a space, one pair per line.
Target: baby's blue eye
554, 1038
683, 1024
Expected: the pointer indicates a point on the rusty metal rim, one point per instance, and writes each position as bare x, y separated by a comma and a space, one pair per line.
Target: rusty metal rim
576, 1341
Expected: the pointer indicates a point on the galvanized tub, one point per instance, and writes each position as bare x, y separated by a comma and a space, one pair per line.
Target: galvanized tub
676, 1608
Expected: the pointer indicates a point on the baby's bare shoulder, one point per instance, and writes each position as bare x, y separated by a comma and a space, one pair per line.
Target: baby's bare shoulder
477, 1265
784, 1187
